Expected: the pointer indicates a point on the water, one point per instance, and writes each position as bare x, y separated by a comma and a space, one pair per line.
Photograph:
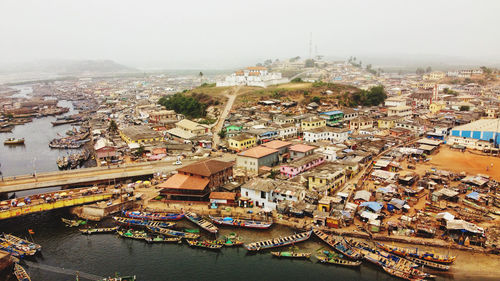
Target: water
35, 154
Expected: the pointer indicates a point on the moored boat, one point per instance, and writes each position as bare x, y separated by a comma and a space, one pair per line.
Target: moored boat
9, 248
142, 223
171, 232
231, 240
338, 245
72, 223
201, 222
13, 141
338, 261
401, 274
153, 216
416, 253
21, 273
278, 242
429, 264
133, 234
162, 239
293, 255
207, 244
228, 221
22, 242
99, 230
118, 278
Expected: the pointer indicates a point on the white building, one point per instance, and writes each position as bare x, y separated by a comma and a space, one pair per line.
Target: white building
287, 131
395, 101
401, 111
253, 76
326, 133
267, 193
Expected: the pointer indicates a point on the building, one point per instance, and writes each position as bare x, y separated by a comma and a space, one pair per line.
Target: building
332, 117
298, 151
388, 122
287, 131
233, 130
140, 135
283, 148
105, 150
435, 75
360, 123
349, 114
327, 177
327, 133
303, 164
256, 157
312, 123
162, 116
395, 101
484, 129
242, 142
400, 111
253, 76
192, 127
436, 106
260, 192
194, 182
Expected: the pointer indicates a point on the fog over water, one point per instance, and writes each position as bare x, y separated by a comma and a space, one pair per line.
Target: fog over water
222, 33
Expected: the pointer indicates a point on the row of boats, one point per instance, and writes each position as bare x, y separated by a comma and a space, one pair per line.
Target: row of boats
73, 161
17, 246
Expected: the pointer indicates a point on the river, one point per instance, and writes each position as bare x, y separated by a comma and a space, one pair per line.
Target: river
35, 154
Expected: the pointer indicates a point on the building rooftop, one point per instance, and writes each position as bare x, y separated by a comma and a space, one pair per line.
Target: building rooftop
191, 125
276, 144
302, 148
488, 125
260, 184
258, 152
206, 168
180, 181
140, 132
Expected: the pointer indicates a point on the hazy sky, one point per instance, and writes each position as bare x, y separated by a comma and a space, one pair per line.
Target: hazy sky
218, 34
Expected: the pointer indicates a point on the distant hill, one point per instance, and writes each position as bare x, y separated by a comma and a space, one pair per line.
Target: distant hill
67, 67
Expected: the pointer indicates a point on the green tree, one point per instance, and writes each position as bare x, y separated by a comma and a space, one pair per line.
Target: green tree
112, 126
222, 134
428, 69
309, 63
464, 108
316, 99
297, 80
139, 151
187, 105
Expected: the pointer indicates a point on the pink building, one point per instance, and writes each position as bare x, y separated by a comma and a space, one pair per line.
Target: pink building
304, 164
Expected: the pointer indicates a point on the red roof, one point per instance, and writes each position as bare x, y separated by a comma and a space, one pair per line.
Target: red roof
258, 152
223, 195
302, 147
180, 181
206, 168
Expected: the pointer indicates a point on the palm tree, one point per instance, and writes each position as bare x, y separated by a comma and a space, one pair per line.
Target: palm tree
201, 76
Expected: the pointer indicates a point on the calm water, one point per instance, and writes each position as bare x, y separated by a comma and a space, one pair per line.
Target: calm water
35, 155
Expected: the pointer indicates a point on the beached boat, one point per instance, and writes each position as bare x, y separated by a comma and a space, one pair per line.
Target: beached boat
401, 274
19, 242
153, 216
429, 264
338, 261
20, 273
72, 223
228, 221
207, 244
231, 240
13, 141
142, 223
117, 278
416, 253
278, 242
292, 255
162, 239
338, 245
171, 232
133, 234
99, 230
201, 222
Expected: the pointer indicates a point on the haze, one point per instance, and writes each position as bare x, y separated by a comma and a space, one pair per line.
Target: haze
219, 34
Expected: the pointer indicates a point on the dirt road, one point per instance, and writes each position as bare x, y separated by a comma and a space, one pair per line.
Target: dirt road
231, 97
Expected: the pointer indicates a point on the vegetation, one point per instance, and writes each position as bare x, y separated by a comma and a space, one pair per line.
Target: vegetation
309, 63
464, 108
139, 151
222, 134
190, 106
113, 128
297, 80
374, 96
316, 99
207, 85
207, 121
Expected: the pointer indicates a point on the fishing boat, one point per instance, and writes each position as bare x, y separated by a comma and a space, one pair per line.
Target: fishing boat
142, 223
338, 261
414, 252
117, 278
231, 240
228, 221
153, 216
292, 255
64, 121
401, 274
133, 234
9, 248
72, 223
99, 230
207, 244
201, 222
338, 245
192, 230
171, 232
22, 242
429, 264
21, 273
163, 239
278, 242
13, 141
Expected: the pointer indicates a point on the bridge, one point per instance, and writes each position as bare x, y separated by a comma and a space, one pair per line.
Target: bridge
85, 176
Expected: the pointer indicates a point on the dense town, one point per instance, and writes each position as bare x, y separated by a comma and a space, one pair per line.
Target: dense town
333, 148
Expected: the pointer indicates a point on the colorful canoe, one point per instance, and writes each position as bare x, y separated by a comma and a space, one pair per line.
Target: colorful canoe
153, 216
416, 253
291, 255
201, 222
138, 235
338, 245
228, 221
401, 274
20, 273
429, 264
22, 242
338, 261
15, 249
278, 242
171, 232
142, 223
162, 239
207, 244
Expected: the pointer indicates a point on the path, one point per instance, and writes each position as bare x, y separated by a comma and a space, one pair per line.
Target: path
222, 117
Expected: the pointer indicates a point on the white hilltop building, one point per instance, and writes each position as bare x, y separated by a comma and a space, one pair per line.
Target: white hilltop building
253, 76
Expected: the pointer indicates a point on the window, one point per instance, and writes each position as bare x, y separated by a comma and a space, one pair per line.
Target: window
246, 193
262, 195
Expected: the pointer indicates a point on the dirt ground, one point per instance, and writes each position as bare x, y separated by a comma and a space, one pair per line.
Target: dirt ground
469, 162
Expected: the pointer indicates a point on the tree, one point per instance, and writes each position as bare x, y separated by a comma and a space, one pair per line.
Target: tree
297, 80
201, 76
309, 63
139, 151
464, 108
420, 71
316, 99
180, 103
428, 69
113, 128
222, 134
